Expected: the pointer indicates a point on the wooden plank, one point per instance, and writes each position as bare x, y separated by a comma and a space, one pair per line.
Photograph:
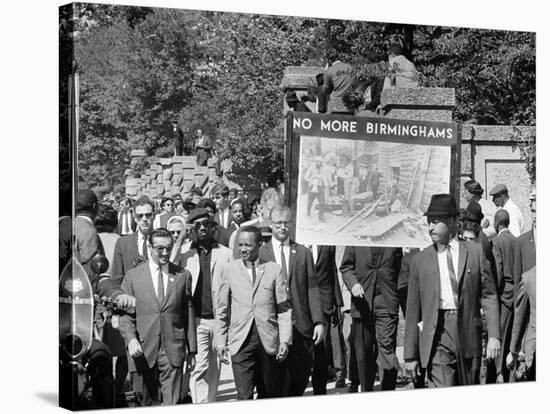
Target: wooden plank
381, 226
357, 215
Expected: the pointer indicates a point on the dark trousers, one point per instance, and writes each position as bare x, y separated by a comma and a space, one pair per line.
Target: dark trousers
322, 360
320, 195
100, 365
506, 323
161, 384
299, 364
447, 367
253, 366
377, 330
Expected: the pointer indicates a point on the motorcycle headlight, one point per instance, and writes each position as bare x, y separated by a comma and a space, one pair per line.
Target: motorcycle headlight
73, 345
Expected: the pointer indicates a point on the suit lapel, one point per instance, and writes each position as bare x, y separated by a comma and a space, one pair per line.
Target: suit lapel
172, 275
462, 256
147, 282
259, 274
193, 266
292, 262
213, 259
244, 272
434, 264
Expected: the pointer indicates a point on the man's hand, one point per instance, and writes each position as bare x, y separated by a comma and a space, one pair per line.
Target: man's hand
493, 348
318, 333
125, 301
283, 352
357, 291
190, 361
413, 369
223, 355
134, 348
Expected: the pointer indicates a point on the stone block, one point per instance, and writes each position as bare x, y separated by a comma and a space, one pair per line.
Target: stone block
131, 191
201, 170
428, 98
138, 153
158, 167
200, 180
186, 158
131, 182
189, 164
177, 168
177, 159
159, 178
188, 174
212, 174
167, 174
175, 190
211, 162
188, 185
165, 161
177, 179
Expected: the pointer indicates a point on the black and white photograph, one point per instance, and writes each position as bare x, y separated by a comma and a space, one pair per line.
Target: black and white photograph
259, 206
369, 192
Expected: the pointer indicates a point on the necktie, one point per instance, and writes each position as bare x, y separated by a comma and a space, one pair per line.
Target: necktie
283, 262
160, 287
253, 273
144, 248
452, 275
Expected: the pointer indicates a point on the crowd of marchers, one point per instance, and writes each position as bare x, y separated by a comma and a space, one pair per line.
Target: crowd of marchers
210, 283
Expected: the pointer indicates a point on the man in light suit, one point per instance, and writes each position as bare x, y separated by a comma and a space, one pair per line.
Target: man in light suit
204, 261
253, 320
126, 223
161, 335
133, 248
449, 283
296, 262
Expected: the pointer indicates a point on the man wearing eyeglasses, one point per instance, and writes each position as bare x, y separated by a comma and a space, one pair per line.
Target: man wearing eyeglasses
308, 320
204, 261
161, 335
168, 210
133, 248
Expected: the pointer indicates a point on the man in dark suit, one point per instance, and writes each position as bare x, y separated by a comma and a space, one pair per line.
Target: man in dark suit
253, 320
126, 223
450, 282
504, 244
221, 234
331, 299
161, 335
308, 320
294, 103
220, 195
133, 248
370, 274
237, 216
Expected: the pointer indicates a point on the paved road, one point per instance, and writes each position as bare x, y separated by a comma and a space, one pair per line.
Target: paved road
227, 392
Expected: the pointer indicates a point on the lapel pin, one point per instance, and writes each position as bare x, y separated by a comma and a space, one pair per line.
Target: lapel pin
468, 270
171, 279
293, 251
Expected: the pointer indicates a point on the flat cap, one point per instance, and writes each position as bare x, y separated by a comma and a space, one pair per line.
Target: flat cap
197, 213
498, 189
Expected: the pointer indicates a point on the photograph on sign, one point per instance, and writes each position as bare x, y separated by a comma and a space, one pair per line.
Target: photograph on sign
366, 192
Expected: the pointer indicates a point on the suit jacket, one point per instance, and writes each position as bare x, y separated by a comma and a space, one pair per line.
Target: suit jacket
222, 235
239, 303
218, 218
131, 222
524, 257
172, 322
218, 257
362, 265
126, 251
327, 276
303, 286
404, 272
504, 246
476, 289
525, 316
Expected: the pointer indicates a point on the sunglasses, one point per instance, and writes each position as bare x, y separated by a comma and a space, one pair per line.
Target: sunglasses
146, 215
203, 223
162, 249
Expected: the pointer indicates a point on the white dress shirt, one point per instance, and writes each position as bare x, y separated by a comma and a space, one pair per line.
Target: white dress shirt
314, 252
277, 252
446, 298
154, 276
249, 270
516, 218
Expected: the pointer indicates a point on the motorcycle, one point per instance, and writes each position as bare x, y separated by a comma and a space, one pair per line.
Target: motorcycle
85, 363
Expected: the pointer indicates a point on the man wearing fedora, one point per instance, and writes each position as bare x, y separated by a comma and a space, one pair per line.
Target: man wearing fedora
449, 283
501, 199
293, 102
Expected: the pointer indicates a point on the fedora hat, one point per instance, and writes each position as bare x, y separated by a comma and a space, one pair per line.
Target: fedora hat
291, 97
442, 205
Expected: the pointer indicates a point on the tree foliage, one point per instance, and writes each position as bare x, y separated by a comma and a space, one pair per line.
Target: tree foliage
142, 67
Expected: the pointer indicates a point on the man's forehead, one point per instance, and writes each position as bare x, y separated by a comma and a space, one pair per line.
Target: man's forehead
162, 241
145, 208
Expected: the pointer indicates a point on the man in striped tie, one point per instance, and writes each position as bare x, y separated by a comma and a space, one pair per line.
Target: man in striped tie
450, 281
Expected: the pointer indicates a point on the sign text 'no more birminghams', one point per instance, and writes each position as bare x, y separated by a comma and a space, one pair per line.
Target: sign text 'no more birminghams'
378, 129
